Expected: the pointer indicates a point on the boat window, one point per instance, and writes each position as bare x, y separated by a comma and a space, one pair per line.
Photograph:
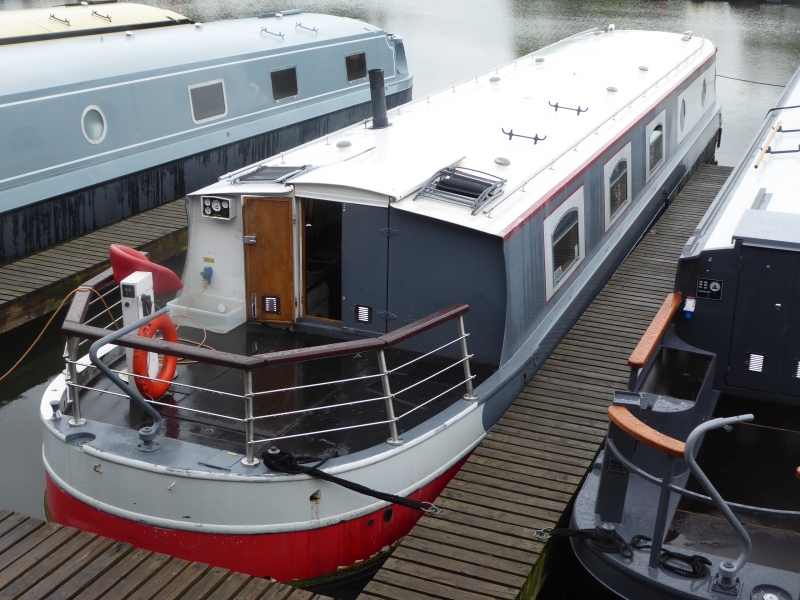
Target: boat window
356, 66
683, 113
284, 83
208, 101
703, 94
618, 187
656, 147
566, 247
93, 125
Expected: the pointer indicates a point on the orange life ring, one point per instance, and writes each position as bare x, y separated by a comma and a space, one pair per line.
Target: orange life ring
149, 388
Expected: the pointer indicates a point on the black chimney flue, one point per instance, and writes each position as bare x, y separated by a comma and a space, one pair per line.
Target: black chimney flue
377, 92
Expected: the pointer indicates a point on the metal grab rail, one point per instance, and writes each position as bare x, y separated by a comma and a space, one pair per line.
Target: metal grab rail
645, 434
75, 327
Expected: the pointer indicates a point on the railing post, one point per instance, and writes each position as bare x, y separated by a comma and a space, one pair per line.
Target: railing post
470, 395
394, 440
250, 460
632, 379
661, 515
71, 356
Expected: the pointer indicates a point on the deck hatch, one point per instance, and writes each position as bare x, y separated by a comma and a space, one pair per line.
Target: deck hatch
271, 174
463, 187
755, 363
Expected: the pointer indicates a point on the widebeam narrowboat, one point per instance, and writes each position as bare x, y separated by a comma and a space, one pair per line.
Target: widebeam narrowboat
110, 109
699, 473
365, 307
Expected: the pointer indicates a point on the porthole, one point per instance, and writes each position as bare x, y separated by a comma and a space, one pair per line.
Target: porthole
93, 124
703, 94
683, 113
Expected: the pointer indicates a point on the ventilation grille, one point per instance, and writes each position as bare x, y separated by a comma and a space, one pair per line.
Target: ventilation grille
463, 187
797, 370
755, 363
363, 314
271, 305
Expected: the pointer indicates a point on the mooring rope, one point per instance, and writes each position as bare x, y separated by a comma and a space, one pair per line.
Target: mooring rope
286, 462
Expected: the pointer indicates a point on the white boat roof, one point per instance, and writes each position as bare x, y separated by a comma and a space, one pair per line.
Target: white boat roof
72, 19
73, 62
464, 124
777, 174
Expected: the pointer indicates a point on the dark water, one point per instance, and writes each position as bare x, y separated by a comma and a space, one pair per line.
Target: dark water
446, 41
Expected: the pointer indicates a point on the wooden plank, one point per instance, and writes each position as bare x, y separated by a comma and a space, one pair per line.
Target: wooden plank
136, 578
13, 521
153, 585
24, 538
509, 546
178, 586
254, 589
37, 566
110, 577
492, 568
41, 551
280, 591
443, 579
208, 584
230, 587
512, 560
67, 572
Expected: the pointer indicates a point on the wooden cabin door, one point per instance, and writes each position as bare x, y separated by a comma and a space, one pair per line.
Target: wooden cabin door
269, 259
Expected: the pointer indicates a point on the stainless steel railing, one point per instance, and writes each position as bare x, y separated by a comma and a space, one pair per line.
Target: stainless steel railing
76, 328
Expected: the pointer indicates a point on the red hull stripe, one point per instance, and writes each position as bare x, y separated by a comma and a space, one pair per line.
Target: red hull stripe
282, 556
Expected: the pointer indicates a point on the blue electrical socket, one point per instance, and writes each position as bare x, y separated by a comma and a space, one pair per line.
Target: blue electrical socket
206, 274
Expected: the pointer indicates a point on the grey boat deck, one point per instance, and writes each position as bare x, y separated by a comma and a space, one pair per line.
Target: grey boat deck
525, 472
44, 560
35, 285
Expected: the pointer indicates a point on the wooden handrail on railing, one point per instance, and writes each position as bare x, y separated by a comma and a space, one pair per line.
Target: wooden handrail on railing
766, 146
649, 342
622, 418
73, 326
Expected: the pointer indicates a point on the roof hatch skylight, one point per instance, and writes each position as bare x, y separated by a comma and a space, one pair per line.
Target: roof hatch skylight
264, 174
462, 186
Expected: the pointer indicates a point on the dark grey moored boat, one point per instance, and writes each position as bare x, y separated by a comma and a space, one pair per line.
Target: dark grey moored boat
720, 369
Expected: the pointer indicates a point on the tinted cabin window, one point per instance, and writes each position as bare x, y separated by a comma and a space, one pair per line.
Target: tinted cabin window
208, 101
566, 249
284, 84
656, 147
356, 66
618, 187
